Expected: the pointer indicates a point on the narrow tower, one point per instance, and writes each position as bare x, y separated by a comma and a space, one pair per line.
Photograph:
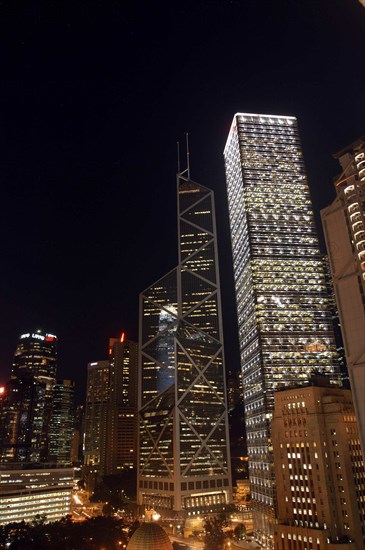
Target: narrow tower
62, 421
184, 462
285, 328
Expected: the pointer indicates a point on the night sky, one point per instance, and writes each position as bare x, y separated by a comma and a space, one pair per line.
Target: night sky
94, 96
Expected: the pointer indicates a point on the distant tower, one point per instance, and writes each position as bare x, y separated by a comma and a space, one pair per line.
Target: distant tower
344, 229
97, 396
77, 450
319, 469
285, 328
184, 462
62, 421
122, 406
36, 357
22, 430
36, 353
111, 409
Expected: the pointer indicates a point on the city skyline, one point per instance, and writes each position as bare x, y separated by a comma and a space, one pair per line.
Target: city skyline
82, 90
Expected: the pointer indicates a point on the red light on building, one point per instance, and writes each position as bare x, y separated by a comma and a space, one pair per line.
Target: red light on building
2, 390
122, 337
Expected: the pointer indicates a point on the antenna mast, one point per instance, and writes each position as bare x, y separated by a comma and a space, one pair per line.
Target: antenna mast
187, 155
178, 156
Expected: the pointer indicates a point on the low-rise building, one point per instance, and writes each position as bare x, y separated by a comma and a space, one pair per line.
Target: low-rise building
319, 469
28, 490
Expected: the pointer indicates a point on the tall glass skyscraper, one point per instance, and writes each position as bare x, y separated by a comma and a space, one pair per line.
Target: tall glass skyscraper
285, 328
111, 409
184, 462
36, 354
62, 422
35, 358
22, 423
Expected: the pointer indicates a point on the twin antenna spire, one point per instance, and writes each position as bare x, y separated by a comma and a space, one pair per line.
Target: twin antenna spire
187, 169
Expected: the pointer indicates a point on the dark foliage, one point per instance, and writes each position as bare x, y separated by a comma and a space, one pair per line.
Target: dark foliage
90, 534
214, 534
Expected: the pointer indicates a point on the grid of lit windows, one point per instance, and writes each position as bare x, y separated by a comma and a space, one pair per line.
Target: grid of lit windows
29, 413
183, 412
97, 396
285, 328
318, 463
29, 492
62, 421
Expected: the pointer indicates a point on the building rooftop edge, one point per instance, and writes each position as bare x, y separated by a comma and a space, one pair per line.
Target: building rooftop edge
265, 116
290, 117
350, 147
18, 466
317, 380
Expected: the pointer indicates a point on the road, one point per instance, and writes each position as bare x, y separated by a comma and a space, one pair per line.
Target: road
186, 544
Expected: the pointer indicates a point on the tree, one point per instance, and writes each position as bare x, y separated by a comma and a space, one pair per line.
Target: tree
91, 534
239, 532
214, 533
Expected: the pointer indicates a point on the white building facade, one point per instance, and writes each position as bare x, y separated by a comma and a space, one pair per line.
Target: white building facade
28, 490
285, 329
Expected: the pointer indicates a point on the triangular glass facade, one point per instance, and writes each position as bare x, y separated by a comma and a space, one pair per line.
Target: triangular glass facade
184, 459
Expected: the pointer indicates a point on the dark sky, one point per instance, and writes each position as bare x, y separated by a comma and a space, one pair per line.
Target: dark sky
94, 95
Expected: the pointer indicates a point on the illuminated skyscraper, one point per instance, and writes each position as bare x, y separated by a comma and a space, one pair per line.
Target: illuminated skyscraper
184, 462
36, 353
22, 421
62, 421
344, 229
111, 409
122, 406
97, 397
35, 358
285, 329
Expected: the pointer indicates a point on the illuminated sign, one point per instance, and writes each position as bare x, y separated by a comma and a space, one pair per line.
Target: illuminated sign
36, 336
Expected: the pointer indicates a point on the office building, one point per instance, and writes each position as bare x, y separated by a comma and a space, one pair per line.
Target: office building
97, 396
22, 430
77, 450
111, 409
36, 355
184, 463
27, 490
344, 375
62, 421
319, 469
122, 406
285, 329
344, 229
